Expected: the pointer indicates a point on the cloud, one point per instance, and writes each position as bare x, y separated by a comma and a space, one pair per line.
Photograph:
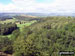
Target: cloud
57, 6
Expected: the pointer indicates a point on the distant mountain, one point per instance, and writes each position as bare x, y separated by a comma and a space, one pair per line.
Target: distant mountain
30, 14
51, 14
4, 16
61, 14
37, 14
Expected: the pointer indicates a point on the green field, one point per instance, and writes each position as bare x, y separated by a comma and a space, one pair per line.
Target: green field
8, 21
26, 24
18, 25
9, 36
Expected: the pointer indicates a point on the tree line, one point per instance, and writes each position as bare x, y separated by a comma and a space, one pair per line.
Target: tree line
8, 28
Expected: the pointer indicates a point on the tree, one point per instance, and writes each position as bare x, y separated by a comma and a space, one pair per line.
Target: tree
5, 45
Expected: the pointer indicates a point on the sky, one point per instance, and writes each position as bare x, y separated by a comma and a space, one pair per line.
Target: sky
38, 6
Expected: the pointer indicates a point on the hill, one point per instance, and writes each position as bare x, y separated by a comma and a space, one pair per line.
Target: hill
26, 17
46, 37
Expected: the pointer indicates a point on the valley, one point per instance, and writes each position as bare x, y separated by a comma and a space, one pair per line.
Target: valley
37, 36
